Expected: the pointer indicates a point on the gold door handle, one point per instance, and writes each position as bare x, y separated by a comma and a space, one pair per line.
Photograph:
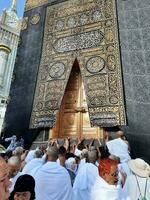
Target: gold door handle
81, 109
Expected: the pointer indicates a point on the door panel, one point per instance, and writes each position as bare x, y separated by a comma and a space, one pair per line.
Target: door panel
87, 130
73, 118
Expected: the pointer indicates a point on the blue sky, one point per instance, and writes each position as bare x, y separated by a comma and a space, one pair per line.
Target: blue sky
7, 3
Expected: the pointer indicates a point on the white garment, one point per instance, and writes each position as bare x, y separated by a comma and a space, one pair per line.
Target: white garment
53, 183
12, 144
103, 191
84, 181
30, 156
82, 162
36, 162
13, 180
131, 187
119, 148
69, 162
123, 167
77, 152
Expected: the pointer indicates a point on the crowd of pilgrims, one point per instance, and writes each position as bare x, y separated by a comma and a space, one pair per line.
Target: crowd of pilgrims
74, 172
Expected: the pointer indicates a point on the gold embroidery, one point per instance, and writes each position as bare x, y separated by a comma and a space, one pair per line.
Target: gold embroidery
35, 19
87, 31
30, 4
24, 23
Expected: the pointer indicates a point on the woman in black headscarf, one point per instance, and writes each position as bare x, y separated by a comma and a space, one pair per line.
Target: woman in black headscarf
24, 188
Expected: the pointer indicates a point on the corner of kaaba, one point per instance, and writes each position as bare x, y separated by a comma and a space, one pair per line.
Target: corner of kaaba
82, 67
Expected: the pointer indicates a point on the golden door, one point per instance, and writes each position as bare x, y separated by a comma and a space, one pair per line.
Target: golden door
73, 117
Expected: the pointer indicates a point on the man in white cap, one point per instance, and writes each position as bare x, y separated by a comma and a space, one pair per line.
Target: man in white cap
137, 185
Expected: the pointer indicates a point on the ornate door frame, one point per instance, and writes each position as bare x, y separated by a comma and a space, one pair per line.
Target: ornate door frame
86, 30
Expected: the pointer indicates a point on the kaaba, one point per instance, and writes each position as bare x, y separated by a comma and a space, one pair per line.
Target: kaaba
82, 66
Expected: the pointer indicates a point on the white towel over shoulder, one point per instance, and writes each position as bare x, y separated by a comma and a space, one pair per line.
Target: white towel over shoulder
103, 191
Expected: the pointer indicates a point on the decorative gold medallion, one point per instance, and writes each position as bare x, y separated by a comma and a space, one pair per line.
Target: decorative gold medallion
35, 19
95, 64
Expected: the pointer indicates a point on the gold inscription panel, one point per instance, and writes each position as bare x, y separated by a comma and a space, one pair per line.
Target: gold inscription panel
30, 4
87, 31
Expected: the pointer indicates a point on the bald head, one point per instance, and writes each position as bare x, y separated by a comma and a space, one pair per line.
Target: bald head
84, 154
92, 156
18, 150
38, 154
14, 160
14, 165
52, 153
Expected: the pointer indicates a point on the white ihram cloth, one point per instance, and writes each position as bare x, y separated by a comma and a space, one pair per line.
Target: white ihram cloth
30, 156
103, 191
123, 167
82, 162
36, 162
77, 152
53, 183
131, 187
13, 181
119, 148
84, 181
